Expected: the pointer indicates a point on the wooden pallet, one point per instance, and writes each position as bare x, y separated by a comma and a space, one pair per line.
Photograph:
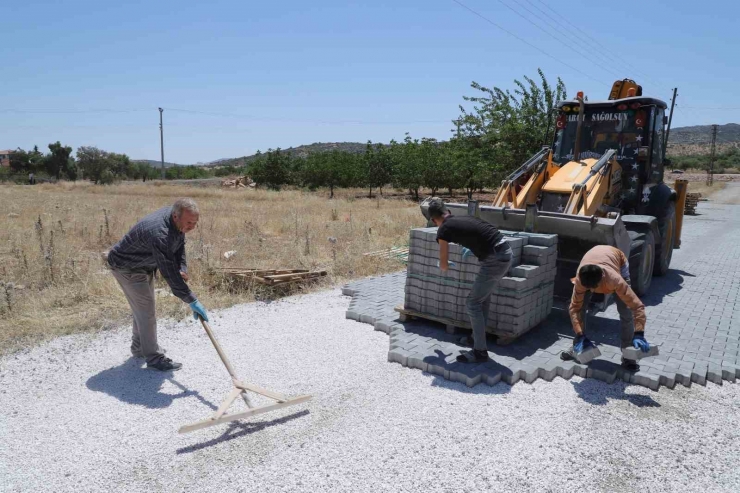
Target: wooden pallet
692, 200
451, 326
269, 277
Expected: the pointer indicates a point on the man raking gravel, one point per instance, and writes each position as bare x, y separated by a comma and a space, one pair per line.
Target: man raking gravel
155, 242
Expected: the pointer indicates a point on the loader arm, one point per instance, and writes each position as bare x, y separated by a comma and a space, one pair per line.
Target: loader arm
507, 194
588, 193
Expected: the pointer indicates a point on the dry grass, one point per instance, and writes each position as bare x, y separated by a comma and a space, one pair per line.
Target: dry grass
706, 190
53, 281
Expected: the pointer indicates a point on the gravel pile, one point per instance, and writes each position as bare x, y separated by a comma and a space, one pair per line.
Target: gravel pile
79, 415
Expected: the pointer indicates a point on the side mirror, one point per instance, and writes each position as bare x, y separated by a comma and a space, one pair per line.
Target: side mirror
665, 120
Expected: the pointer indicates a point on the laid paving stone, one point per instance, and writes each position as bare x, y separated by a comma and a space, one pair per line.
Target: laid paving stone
695, 321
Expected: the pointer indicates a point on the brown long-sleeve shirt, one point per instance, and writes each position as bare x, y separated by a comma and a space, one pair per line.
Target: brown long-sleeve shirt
611, 260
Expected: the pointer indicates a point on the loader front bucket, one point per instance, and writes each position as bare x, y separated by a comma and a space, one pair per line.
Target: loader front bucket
576, 235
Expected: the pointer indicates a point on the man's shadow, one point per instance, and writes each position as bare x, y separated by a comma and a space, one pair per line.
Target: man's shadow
129, 383
599, 393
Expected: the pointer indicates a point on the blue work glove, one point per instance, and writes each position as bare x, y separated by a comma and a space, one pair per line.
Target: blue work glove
466, 253
199, 310
639, 342
581, 343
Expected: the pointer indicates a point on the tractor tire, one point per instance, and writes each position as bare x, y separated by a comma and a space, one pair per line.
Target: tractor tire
664, 250
643, 263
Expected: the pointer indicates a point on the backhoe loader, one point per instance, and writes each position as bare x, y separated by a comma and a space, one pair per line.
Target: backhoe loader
599, 183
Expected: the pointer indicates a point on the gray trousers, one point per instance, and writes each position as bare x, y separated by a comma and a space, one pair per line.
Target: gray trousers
139, 290
626, 319
492, 269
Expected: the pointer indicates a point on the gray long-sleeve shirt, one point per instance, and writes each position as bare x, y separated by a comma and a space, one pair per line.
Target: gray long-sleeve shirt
155, 243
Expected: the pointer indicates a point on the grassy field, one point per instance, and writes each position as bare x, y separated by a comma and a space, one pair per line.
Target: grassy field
54, 281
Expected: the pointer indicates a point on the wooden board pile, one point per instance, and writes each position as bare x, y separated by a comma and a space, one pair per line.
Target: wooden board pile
241, 182
268, 277
692, 200
522, 299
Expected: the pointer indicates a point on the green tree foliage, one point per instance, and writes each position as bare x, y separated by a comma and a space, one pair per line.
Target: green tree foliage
332, 169
58, 161
728, 159
378, 167
94, 163
407, 168
272, 169
19, 161
505, 128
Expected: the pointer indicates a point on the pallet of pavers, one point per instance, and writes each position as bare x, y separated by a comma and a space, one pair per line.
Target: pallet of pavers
522, 299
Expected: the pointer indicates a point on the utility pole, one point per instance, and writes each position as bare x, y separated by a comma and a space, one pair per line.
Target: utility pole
161, 139
710, 171
670, 119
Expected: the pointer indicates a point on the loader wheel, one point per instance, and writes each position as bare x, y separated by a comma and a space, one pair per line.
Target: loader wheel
641, 269
664, 251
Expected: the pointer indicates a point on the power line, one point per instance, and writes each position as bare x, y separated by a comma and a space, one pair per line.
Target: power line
529, 44
556, 38
75, 111
229, 115
592, 39
547, 19
733, 108
294, 120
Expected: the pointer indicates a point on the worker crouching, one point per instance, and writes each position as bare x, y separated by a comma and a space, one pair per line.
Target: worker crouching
605, 270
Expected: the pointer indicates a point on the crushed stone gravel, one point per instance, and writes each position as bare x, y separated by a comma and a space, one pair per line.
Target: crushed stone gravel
77, 414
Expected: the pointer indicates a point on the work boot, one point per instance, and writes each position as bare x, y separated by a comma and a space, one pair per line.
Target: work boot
568, 355
630, 365
474, 356
164, 364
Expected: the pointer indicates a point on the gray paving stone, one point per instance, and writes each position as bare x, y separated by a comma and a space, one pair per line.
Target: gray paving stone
636, 354
588, 355
696, 321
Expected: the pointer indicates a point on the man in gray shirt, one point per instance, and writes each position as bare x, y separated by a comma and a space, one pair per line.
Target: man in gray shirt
155, 242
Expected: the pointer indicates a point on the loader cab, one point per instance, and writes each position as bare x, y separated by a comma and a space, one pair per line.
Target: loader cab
634, 127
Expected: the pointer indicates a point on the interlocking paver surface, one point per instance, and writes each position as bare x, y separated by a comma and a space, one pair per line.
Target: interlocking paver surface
693, 313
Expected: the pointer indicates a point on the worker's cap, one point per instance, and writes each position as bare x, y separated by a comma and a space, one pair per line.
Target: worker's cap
434, 207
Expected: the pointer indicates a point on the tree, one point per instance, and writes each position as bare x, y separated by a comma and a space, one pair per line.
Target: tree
331, 169
19, 161
271, 169
58, 161
433, 173
94, 163
35, 160
407, 170
506, 128
378, 167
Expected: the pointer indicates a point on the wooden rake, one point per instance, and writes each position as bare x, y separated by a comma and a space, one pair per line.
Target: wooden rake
240, 390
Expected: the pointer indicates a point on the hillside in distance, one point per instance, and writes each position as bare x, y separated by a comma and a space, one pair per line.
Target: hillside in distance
300, 151
697, 139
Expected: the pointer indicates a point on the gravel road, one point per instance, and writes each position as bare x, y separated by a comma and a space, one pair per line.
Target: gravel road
79, 415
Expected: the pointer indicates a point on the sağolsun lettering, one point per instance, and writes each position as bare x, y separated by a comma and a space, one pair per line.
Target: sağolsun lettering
601, 117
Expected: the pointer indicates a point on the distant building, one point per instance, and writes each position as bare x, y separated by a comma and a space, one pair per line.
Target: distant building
5, 158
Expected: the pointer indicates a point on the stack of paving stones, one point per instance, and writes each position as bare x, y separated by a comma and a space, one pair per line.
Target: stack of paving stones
696, 323
521, 300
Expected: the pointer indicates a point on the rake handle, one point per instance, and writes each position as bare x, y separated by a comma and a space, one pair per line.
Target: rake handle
220, 351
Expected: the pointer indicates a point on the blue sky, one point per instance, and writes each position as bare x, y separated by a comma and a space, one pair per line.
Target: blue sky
259, 75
